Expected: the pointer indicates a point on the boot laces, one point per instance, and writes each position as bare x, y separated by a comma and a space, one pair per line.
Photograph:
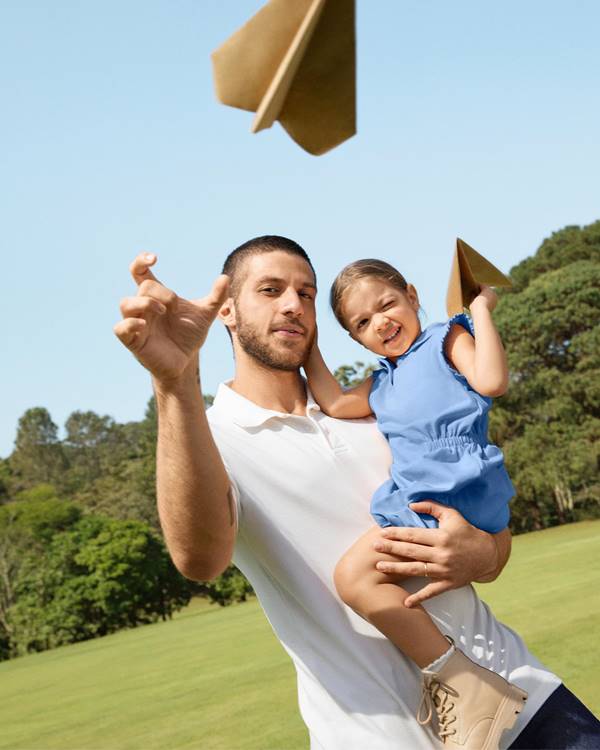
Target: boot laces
437, 696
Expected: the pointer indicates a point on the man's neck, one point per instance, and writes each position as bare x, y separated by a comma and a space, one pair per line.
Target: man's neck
278, 390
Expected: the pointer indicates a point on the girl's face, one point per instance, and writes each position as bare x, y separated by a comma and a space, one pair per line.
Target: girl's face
381, 317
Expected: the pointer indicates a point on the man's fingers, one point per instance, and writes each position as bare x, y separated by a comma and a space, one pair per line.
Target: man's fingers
137, 307
128, 331
407, 569
159, 292
217, 295
431, 508
140, 268
411, 535
405, 549
427, 592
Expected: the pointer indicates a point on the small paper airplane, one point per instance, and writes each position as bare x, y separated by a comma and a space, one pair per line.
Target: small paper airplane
294, 61
469, 271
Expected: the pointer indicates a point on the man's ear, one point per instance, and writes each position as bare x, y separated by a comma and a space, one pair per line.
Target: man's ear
226, 313
413, 297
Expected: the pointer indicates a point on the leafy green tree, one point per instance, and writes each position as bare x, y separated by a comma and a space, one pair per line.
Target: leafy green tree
88, 436
566, 246
113, 466
38, 455
231, 586
26, 528
127, 485
87, 430
95, 578
39, 514
349, 376
39, 492
6, 481
549, 421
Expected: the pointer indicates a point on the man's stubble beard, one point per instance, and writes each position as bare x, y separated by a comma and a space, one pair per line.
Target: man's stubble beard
287, 360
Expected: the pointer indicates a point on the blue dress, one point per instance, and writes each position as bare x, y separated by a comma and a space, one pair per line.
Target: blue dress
436, 425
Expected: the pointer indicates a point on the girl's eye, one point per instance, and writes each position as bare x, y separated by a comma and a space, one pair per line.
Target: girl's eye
362, 323
387, 304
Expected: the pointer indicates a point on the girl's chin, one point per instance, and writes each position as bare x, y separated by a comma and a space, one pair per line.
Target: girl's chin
393, 352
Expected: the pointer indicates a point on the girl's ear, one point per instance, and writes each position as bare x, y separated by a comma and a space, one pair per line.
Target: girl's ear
413, 297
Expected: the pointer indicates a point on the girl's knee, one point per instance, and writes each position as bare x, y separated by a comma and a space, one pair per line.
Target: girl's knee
357, 579
352, 580
344, 578
356, 568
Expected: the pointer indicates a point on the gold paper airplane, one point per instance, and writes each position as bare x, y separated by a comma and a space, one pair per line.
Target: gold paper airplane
294, 61
469, 271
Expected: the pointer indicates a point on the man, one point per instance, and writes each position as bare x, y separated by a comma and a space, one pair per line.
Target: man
284, 490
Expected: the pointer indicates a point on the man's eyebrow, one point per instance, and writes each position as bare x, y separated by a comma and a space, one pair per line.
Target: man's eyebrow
277, 280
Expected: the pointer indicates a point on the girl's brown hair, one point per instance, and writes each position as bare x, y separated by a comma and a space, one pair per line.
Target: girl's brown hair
362, 269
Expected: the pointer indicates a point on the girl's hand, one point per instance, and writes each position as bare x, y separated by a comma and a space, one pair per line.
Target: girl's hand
486, 297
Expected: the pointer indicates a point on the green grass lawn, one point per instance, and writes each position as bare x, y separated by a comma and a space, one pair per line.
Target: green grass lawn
550, 593
217, 679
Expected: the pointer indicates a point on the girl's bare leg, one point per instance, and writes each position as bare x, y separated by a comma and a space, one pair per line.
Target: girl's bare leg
374, 596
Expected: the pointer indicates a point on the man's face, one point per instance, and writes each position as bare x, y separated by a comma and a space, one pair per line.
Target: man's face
275, 310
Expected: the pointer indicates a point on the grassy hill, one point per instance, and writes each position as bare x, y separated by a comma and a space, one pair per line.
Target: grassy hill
217, 679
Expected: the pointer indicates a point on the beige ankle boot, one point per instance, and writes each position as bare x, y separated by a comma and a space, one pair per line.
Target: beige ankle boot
473, 705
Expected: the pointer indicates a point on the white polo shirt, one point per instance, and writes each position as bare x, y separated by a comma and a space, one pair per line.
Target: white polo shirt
303, 485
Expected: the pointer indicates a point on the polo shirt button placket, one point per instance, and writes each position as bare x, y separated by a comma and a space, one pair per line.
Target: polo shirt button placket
334, 443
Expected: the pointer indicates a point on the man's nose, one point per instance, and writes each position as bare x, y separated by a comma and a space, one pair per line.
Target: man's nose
291, 304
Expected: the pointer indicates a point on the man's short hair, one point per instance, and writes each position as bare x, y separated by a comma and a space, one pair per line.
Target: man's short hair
236, 260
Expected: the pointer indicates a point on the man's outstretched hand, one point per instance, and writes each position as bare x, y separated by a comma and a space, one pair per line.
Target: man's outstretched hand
162, 330
456, 553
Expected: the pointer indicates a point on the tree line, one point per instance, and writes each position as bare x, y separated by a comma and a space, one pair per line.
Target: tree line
548, 423
81, 553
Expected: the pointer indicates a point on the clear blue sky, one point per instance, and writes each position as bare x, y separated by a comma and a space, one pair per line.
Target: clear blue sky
476, 119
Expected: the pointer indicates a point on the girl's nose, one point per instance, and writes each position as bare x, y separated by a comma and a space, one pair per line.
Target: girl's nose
381, 322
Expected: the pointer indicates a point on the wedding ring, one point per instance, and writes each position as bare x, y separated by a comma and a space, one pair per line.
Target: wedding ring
426, 572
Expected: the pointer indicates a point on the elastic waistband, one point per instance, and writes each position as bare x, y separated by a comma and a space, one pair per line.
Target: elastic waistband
450, 442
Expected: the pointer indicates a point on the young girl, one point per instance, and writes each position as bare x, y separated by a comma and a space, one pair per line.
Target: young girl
431, 398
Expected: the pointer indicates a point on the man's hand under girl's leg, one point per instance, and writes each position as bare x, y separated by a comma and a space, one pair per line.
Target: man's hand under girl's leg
379, 599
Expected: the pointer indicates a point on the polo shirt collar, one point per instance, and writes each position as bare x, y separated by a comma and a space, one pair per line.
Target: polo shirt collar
246, 413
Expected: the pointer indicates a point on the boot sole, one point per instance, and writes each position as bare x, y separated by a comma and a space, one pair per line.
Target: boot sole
506, 716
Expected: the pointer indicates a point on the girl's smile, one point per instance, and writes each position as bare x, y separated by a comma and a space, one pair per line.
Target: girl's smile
381, 317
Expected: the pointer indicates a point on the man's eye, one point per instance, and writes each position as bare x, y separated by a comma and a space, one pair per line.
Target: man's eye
269, 289
307, 295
